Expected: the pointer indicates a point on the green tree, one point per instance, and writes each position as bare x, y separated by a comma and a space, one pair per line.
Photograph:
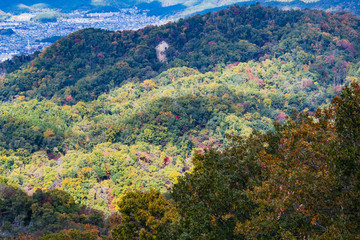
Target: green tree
212, 199
146, 215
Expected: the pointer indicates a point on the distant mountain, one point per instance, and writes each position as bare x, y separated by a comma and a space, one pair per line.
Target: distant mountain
352, 6
65, 5
203, 6
158, 9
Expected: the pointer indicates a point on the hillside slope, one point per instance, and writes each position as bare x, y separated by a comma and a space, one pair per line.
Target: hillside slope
89, 62
142, 136
97, 115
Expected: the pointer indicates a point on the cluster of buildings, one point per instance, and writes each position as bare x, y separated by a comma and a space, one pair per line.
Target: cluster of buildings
29, 35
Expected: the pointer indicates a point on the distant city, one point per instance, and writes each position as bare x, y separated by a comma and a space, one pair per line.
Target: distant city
21, 34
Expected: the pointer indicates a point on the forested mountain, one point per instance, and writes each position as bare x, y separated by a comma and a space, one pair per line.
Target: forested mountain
89, 62
217, 126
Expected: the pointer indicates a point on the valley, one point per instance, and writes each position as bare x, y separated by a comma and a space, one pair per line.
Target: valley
37, 30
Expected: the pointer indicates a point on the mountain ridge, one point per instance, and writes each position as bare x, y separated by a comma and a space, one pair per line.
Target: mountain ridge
97, 60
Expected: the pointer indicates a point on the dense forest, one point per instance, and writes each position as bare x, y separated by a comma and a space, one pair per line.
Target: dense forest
89, 62
246, 126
